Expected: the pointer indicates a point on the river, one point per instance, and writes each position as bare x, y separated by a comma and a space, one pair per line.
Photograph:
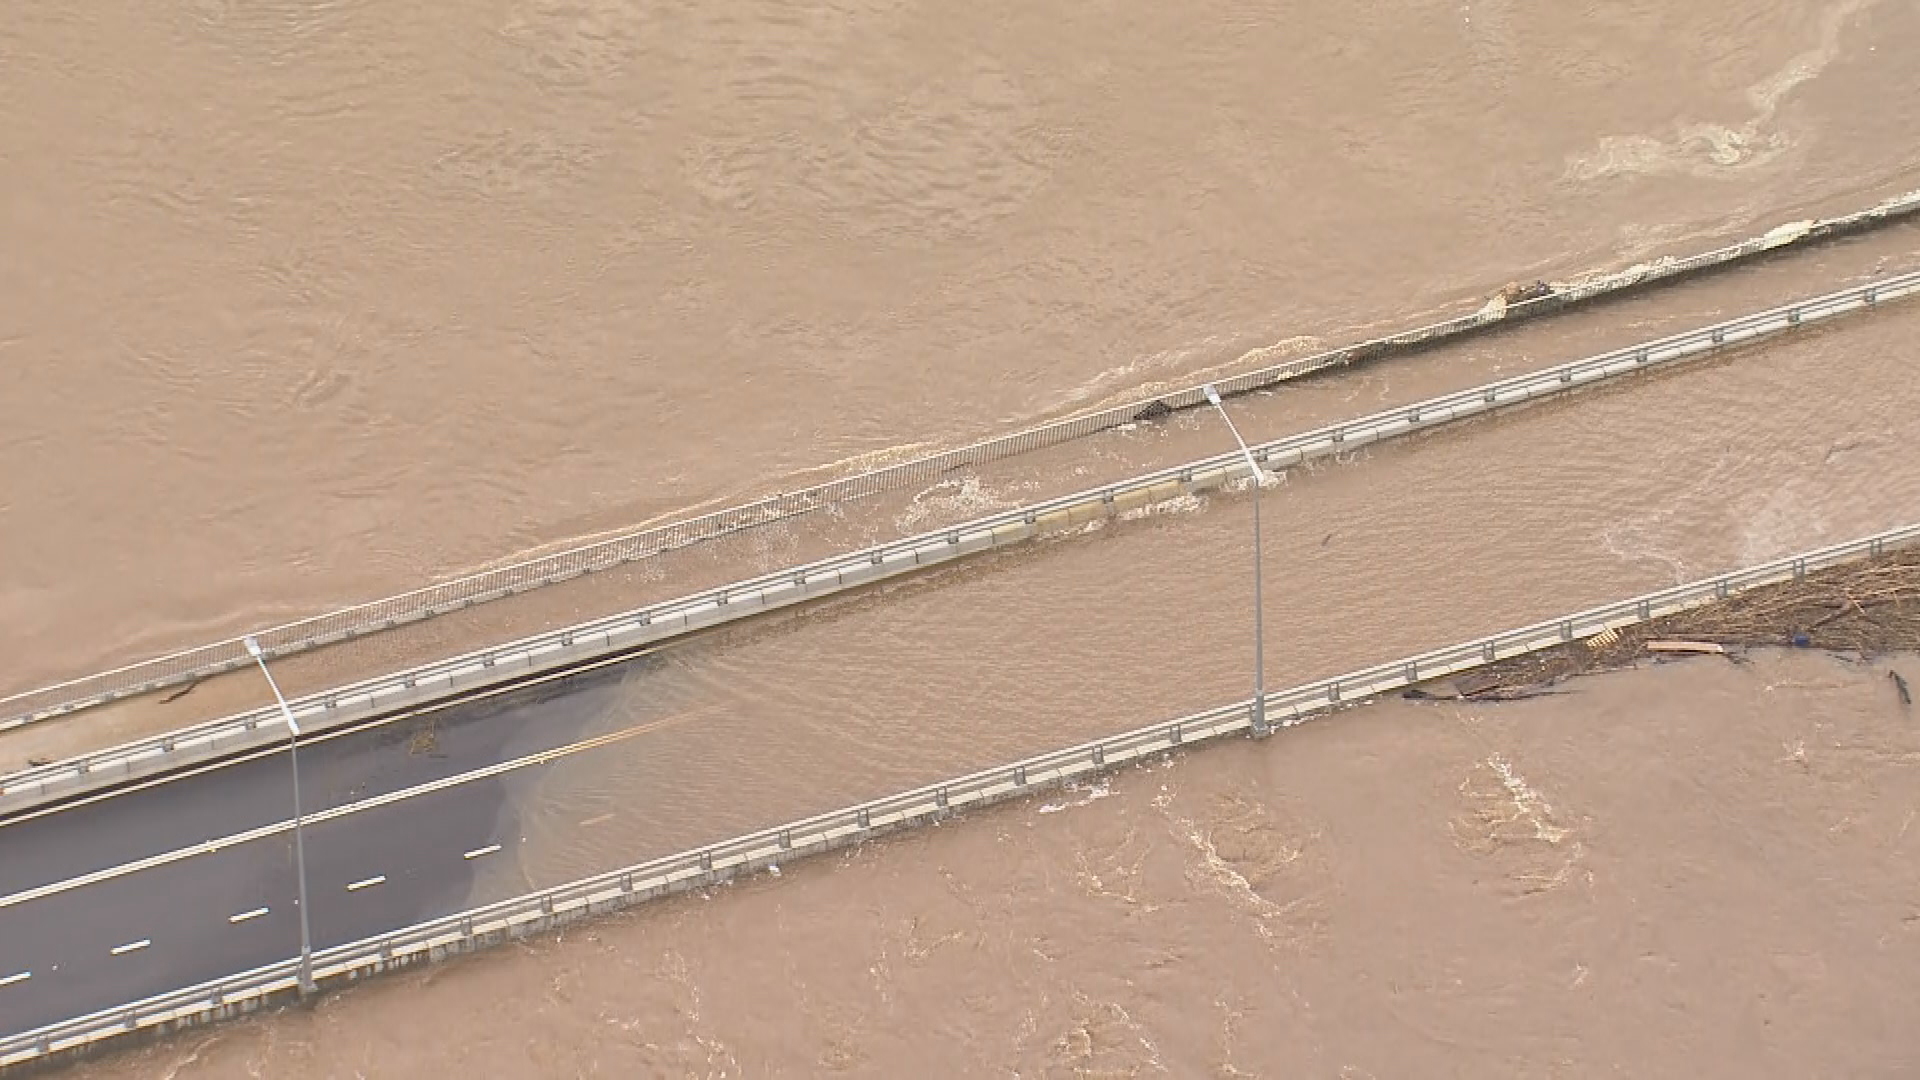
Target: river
308, 302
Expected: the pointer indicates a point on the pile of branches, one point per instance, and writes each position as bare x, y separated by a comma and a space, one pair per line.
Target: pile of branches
1865, 607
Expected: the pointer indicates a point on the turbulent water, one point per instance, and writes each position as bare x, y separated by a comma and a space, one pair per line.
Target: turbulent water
1698, 870
306, 302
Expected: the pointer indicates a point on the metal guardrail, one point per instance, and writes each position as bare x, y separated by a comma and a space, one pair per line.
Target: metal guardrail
715, 863
633, 629
347, 623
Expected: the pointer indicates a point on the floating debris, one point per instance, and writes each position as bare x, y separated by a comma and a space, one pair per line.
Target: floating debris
1706, 647
1154, 411
180, 693
1866, 607
1517, 293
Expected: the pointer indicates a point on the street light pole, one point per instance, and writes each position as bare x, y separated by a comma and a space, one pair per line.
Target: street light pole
1260, 728
299, 832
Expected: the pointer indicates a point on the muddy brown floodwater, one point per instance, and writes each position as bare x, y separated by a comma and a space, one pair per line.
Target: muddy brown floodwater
302, 303
1696, 869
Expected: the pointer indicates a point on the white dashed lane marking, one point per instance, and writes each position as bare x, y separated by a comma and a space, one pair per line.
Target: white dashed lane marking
20, 978
245, 915
477, 852
367, 884
132, 946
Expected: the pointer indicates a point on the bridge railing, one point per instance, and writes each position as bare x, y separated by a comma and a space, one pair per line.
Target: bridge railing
628, 630
205, 660
710, 864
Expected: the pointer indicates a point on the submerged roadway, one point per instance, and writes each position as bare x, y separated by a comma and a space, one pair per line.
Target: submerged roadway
179, 880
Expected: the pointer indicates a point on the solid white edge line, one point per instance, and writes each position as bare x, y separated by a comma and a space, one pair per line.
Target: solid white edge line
132, 946
245, 915
20, 978
367, 884
477, 852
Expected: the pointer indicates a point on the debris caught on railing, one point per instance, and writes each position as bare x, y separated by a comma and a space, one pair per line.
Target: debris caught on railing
1517, 293
1707, 647
1154, 411
180, 693
1861, 607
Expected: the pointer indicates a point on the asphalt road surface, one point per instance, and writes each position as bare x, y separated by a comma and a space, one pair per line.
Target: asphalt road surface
83, 929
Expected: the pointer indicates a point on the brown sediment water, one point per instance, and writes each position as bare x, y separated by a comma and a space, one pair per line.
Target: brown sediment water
1340, 395
1699, 869
307, 303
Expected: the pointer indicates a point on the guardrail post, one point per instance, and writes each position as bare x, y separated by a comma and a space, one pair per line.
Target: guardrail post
1566, 630
466, 927
1411, 672
1020, 776
940, 798
1793, 317
864, 818
1799, 569
546, 904
1173, 735
1333, 692
721, 599
706, 861
1639, 356
1719, 337
786, 839
1646, 610
626, 883
1871, 296
1720, 588
1100, 754
875, 558
1486, 650
1413, 416
131, 1020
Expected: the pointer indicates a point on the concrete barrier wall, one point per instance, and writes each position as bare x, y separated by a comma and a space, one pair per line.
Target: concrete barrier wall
201, 661
706, 866
565, 649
